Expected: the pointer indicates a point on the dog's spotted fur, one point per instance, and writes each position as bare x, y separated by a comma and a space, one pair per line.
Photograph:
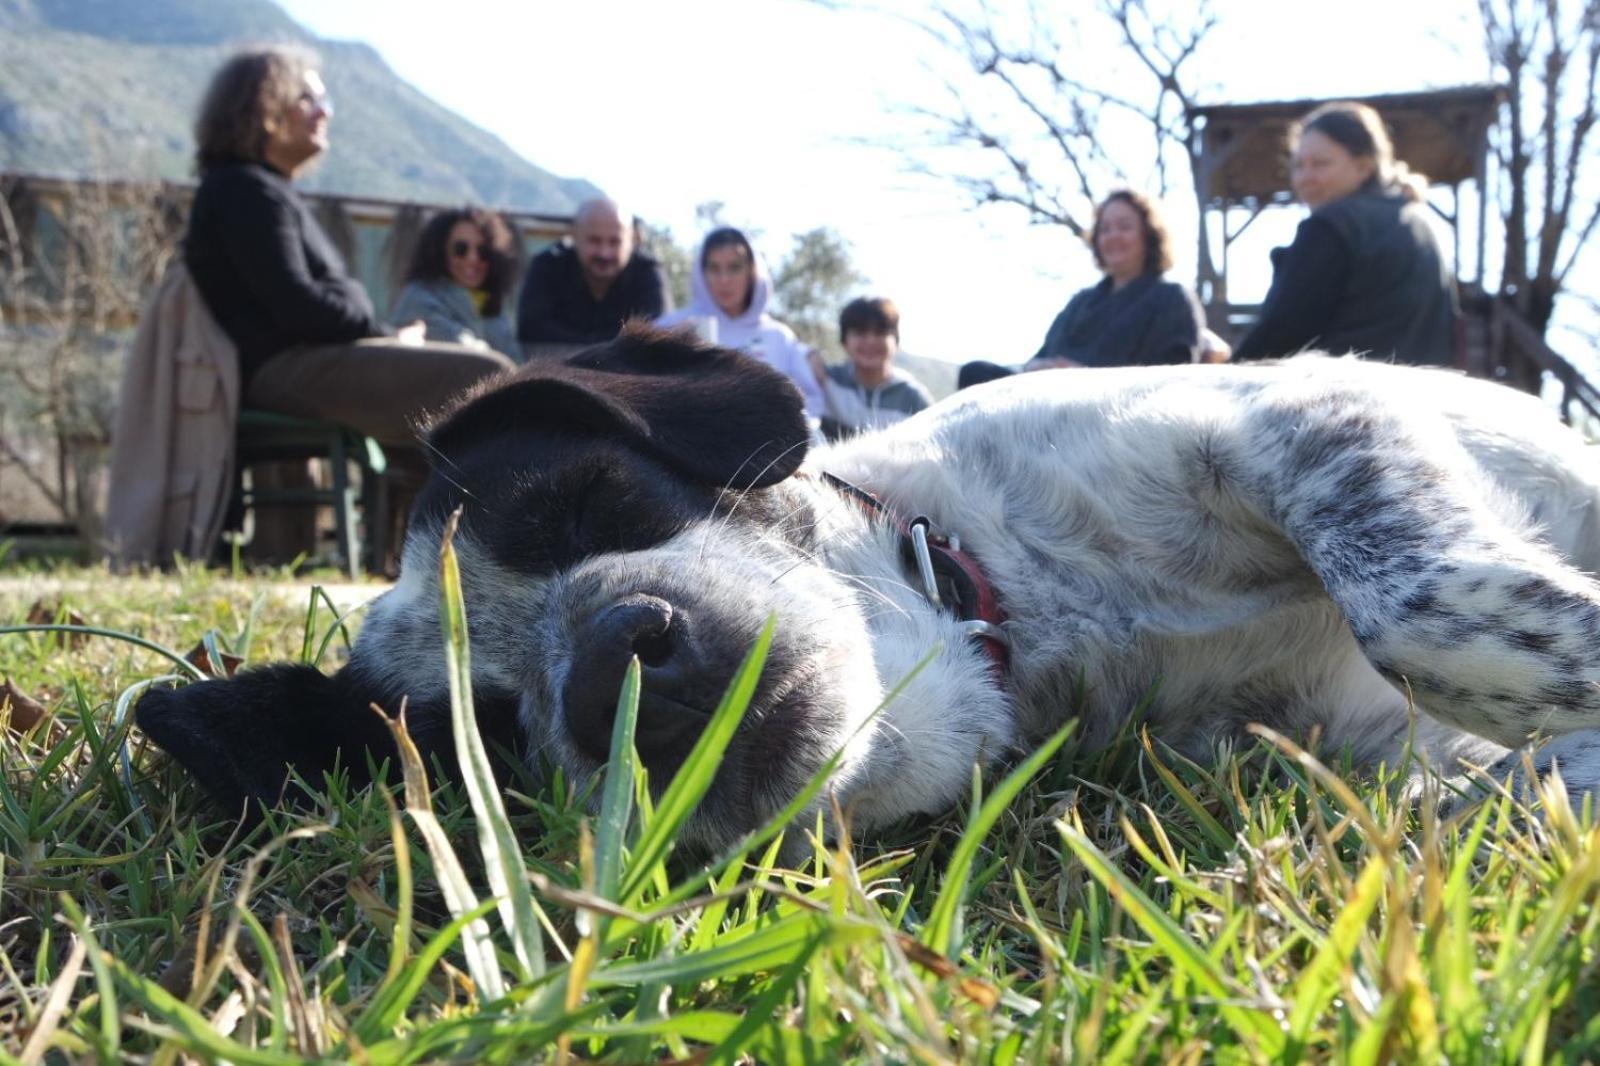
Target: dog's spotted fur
1297, 545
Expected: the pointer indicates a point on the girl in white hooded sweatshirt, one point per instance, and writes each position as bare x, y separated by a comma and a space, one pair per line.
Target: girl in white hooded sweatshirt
731, 288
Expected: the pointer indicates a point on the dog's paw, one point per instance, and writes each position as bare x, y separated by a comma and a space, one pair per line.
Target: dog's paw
1562, 772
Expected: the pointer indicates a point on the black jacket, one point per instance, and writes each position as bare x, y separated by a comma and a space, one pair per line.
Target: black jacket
1147, 322
1364, 274
556, 305
267, 271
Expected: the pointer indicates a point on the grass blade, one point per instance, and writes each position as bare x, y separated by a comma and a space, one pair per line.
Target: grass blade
401, 945
782, 819
764, 1011
185, 665
202, 1038
775, 946
616, 803
278, 1002
1319, 981
386, 1010
1184, 953
48, 1020
502, 854
1191, 803
699, 769
458, 894
943, 931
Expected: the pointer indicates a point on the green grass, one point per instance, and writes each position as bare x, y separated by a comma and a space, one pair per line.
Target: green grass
1120, 905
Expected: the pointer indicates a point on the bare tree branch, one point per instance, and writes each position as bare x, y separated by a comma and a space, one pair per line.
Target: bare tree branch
1578, 243
1581, 129
63, 306
1550, 65
1049, 129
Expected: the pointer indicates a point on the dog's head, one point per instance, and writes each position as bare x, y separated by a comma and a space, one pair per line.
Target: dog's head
627, 501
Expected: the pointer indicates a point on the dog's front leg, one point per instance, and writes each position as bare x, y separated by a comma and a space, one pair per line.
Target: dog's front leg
1492, 632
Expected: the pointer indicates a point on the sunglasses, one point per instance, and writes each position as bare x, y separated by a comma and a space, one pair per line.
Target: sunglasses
462, 249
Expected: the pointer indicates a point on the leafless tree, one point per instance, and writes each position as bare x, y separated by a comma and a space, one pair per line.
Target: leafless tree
76, 260
1049, 103
1547, 54
1055, 131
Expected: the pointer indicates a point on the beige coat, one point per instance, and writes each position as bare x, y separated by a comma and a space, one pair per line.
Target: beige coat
172, 447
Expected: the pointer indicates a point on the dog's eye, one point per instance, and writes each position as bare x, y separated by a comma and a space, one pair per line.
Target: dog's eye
582, 506
594, 514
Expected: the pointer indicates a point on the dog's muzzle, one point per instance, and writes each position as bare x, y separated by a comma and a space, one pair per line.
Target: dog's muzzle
675, 700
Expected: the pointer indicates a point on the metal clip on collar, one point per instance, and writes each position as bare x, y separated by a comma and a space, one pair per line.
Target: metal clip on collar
975, 628
919, 545
978, 629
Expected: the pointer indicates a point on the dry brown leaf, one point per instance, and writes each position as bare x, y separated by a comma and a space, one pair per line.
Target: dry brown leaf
22, 711
49, 614
198, 658
980, 992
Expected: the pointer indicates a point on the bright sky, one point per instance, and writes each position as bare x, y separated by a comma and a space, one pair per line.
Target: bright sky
794, 115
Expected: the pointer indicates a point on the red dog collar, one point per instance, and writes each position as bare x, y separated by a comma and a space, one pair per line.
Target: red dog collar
950, 577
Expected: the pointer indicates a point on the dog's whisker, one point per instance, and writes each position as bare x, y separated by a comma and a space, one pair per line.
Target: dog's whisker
439, 470
428, 445
741, 494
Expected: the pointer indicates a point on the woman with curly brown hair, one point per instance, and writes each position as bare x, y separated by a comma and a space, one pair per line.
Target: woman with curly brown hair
309, 341
464, 265
1133, 316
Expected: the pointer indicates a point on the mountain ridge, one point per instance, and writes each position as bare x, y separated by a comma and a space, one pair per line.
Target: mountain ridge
104, 88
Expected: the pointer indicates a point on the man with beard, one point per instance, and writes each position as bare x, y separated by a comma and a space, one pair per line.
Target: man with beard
581, 291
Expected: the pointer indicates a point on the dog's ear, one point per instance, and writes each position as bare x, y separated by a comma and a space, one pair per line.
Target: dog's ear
714, 415
241, 737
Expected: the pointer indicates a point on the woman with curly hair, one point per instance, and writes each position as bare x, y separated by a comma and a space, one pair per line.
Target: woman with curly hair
465, 264
1133, 316
309, 341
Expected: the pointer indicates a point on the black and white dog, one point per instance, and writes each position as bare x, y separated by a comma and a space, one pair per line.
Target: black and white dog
1300, 545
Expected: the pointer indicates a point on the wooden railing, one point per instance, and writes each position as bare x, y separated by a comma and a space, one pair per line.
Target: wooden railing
1517, 347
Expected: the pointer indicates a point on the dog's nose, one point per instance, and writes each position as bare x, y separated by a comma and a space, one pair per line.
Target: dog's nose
638, 625
669, 716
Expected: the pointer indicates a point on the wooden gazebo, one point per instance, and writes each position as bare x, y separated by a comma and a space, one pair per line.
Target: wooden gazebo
1241, 169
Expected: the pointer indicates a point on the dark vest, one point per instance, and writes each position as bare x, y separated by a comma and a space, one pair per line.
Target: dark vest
1399, 297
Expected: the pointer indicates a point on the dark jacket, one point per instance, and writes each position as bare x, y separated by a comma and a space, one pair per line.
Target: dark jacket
556, 306
1147, 322
1364, 274
268, 273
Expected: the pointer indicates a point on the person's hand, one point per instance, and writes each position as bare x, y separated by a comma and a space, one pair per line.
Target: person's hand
1213, 349
819, 369
1050, 362
412, 334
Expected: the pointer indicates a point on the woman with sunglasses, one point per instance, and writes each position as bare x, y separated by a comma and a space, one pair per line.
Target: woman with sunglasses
464, 265
308, 339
